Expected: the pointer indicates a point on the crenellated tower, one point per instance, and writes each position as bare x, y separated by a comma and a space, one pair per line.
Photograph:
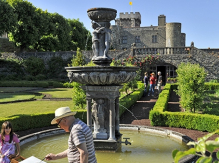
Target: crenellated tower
129, 20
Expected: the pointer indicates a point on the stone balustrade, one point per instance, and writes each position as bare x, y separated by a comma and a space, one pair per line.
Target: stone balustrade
164, 50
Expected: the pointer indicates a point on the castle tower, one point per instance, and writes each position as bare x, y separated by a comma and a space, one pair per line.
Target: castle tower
129, 20
161, 20
173, 35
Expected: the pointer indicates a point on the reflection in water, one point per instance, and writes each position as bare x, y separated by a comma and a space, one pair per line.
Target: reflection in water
145, 148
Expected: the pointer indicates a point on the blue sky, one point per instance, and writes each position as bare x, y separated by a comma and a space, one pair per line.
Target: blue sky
199, 18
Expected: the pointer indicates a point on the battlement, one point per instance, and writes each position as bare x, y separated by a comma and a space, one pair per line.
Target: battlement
132, 15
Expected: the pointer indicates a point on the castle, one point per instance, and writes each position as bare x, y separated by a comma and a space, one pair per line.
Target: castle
165, 40
127, 30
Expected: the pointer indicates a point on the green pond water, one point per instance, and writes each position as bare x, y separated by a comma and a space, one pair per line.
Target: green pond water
145, 148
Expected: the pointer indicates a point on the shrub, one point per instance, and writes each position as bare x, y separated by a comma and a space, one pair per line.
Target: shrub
78, 96
40, 77
79, 59
55, 66
34, 66
191, 78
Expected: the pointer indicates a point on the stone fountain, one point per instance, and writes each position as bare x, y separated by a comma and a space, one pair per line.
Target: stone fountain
102, 83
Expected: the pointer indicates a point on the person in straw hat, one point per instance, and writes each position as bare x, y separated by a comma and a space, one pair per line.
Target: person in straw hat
80, 142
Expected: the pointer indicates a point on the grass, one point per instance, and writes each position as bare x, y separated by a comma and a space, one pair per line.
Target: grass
7, 97
32, 107
58, 92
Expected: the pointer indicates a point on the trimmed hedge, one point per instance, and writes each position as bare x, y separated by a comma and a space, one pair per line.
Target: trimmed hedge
160, 117
24, 122
130, 99
44, 84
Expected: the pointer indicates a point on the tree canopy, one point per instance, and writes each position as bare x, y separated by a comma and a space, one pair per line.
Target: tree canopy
32, 28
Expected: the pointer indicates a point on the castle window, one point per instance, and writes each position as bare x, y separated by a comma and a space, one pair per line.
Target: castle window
124, 39
137, 39
154, 38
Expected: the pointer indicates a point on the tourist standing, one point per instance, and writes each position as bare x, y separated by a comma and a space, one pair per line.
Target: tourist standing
145, 83
159, 82
153, 80
80, 142
8, 140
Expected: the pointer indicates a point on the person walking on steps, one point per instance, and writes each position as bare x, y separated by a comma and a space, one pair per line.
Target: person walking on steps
145, 83
153, 80
159, 82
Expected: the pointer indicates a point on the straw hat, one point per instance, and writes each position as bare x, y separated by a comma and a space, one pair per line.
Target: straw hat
152, 73
62, 112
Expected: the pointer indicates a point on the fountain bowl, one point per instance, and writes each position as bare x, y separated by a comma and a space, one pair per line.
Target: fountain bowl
101, 75
101, 14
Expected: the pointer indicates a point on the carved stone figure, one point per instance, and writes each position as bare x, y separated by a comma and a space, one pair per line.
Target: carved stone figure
100, 40
98, 115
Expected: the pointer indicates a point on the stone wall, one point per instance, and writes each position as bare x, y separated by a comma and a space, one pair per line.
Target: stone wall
46, 56
196, 56
145, 34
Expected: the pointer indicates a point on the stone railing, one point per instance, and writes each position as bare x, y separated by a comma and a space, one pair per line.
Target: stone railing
164, 50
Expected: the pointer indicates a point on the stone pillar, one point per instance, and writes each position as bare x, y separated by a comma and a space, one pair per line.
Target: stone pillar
112, 120
89, 119
171, 49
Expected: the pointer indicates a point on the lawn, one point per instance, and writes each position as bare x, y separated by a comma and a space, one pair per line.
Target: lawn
32, 107
58, 92
6, 97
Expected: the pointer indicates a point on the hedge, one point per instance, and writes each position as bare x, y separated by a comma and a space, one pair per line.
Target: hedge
44, 84
131, 99
24, 122
160, 117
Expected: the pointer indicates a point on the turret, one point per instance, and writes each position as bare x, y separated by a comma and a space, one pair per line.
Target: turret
129, 20
161, 20
173, 35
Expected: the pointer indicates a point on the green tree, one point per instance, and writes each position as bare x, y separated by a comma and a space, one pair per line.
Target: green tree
26, 32
43, 25
60, 29
8, 18
191, 78
78, 96
80, 36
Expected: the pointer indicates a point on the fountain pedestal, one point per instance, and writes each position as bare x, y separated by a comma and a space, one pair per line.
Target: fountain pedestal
103, 110
102, 83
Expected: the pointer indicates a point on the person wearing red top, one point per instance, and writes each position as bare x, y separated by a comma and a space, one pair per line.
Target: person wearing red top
153, 80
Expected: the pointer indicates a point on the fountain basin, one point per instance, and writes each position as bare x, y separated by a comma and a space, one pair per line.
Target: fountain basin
101, 75
101, 14
148, 144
